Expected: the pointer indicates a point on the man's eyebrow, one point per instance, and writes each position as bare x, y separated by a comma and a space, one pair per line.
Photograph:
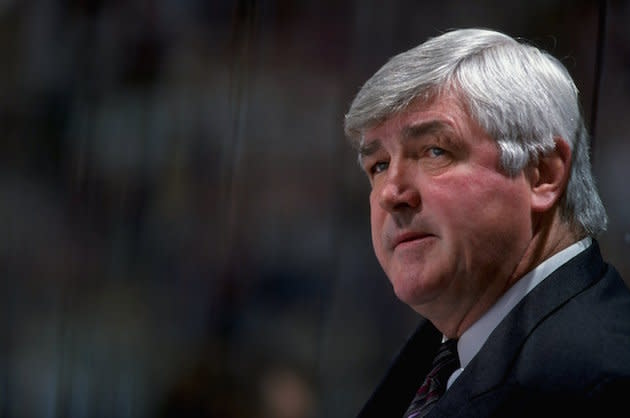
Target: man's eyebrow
414, 131
369, 148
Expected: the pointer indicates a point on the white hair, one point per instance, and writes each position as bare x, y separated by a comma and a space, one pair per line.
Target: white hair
522, 96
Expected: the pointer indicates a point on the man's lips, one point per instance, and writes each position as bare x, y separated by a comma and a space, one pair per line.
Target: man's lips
409, 237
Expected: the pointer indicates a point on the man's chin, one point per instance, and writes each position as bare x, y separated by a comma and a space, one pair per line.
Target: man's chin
415, 293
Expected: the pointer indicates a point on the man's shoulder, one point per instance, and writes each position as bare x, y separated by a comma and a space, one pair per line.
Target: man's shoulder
585, 339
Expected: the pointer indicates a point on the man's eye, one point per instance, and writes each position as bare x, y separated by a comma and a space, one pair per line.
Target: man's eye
436, 152
379, 167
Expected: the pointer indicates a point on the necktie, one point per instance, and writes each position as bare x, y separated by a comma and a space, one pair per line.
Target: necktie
444, 364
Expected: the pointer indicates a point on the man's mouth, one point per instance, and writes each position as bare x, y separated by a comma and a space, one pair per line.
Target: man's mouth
409, 237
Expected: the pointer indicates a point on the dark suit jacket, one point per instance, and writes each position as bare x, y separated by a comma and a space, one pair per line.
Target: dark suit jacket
563, 350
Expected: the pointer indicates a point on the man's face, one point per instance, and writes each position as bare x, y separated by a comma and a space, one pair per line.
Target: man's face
447, 223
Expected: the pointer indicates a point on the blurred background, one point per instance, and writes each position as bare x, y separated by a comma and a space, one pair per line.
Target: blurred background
184, 228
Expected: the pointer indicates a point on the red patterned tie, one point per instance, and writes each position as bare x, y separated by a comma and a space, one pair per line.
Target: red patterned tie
445, 363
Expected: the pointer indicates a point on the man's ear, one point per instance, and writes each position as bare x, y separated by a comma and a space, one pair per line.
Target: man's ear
549, 176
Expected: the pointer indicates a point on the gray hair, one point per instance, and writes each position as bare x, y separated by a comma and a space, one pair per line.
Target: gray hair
522, 96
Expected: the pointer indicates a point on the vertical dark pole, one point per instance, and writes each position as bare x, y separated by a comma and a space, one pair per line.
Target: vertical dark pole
599, 63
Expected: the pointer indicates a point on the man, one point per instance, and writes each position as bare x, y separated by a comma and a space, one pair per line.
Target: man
484, 215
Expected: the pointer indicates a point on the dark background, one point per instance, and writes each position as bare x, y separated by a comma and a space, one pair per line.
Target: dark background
184, 228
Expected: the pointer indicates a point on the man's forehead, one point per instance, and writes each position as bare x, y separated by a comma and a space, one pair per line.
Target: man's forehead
446, 106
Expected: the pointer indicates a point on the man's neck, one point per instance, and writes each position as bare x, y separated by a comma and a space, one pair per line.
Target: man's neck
550, 236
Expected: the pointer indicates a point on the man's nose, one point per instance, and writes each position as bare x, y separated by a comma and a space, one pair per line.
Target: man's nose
399, 192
